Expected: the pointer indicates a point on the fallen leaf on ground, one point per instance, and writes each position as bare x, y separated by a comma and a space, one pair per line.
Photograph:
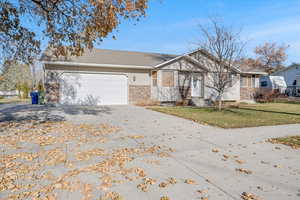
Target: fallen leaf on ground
140, 172
163, 185
189, 181
112, 196
249, 196
215, 150
246, 171
240, 161
202, 191
172, 180
165, 198
144, 187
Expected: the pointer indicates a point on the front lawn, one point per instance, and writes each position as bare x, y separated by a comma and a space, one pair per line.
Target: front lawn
246, 115
293, 141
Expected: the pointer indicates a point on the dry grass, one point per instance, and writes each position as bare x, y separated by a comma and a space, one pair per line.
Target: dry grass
243, 115
293, 141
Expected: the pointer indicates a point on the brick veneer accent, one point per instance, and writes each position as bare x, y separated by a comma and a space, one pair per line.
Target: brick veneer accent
139, 94
52, 92
52, 87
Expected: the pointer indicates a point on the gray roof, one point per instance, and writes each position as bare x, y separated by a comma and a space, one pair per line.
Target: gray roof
114, 57
247, 69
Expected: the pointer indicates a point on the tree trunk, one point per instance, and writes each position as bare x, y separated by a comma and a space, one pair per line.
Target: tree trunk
220, 102
220, 105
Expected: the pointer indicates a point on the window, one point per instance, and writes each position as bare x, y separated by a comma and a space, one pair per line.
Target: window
295, 82
243, 81
264, 84
154, 78
168, 79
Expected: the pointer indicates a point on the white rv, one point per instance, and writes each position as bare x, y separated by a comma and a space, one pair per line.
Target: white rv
273, 82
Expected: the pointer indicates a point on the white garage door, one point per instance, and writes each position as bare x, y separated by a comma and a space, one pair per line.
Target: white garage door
93, 89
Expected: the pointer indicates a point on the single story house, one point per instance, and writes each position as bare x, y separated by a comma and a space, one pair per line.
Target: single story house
112, 77
291, 74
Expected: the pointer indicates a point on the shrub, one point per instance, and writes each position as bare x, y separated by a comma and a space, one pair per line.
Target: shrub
40, 87
267, 96
25, 90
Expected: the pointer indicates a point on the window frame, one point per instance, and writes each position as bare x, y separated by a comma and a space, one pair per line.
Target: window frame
154, 79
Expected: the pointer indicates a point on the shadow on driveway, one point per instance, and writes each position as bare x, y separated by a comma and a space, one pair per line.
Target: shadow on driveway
21, 112
86, 110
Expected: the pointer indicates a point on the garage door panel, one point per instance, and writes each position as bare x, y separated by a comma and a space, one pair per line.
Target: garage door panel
93, 89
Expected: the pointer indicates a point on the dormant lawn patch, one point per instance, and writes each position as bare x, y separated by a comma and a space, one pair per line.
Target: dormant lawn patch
240, 116
293, 141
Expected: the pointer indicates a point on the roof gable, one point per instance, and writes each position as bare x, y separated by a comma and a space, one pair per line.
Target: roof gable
176, 64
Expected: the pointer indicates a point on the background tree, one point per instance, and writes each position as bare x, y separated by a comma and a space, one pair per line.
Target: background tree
225, 47
271, 56
17, 77
69, 26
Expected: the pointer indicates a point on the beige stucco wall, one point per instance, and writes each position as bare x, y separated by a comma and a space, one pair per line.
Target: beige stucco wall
135, 76
161, 93
231, 94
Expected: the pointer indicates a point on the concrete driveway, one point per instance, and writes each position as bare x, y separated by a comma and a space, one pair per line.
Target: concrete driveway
203, 159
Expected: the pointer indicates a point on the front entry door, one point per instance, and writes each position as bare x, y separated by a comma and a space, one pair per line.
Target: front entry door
197, 85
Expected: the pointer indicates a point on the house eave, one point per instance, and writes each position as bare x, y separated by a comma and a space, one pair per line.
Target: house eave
253, 73
95, 65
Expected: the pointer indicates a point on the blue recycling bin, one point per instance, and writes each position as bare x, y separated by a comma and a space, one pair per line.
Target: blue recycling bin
34, 97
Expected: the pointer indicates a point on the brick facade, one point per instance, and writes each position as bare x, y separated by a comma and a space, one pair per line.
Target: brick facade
139, 94
52, 87
248, 93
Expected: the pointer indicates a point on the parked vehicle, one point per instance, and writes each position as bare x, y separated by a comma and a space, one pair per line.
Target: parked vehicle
273, 82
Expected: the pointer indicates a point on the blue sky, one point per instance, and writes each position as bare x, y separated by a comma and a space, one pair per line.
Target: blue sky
172, 26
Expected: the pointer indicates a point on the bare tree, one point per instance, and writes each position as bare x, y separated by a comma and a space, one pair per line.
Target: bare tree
271, 56
16, 77
224, 46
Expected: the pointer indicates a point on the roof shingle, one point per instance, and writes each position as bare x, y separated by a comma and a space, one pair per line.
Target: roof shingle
114, 57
